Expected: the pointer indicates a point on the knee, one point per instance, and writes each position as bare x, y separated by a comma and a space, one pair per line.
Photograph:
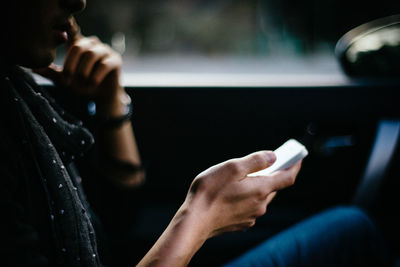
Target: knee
351, 219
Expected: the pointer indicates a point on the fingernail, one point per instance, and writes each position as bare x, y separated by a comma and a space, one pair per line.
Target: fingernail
271, 157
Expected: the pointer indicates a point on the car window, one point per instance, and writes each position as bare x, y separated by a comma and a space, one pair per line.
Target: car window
226, 36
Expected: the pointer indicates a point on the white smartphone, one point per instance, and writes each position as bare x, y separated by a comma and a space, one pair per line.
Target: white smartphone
286, 155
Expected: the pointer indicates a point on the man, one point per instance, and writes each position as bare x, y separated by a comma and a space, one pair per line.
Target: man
219, 200
48, 221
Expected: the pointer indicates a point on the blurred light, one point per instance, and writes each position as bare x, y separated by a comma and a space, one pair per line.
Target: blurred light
118, 42
338, 141
92, 108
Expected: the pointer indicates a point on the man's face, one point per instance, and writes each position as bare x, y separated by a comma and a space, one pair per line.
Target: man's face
35, 28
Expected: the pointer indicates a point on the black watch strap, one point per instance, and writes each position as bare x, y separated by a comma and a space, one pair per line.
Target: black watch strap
115, 122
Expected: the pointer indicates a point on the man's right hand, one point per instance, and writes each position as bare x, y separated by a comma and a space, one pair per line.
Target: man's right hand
226, 199
221, 199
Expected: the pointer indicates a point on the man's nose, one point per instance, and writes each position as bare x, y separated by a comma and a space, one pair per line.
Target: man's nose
73, 6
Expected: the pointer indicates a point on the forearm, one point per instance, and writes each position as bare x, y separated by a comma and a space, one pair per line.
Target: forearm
220, 199
119, 144
93, 70
180, 241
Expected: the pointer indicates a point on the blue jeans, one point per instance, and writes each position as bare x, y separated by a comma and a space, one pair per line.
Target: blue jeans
343, 236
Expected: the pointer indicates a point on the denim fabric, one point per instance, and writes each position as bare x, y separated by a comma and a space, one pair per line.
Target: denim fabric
344, 236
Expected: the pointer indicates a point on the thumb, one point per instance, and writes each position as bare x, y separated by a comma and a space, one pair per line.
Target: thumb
258, 161
74, 33
51, 72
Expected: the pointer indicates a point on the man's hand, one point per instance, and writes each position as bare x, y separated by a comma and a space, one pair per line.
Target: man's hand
221, 199
91, 69
225, 199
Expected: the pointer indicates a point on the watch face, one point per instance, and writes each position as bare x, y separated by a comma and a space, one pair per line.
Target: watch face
372, 49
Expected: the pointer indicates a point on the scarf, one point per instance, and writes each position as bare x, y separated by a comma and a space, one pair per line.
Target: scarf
55, 139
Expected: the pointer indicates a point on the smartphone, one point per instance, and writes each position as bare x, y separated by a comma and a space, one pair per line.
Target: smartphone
286, 155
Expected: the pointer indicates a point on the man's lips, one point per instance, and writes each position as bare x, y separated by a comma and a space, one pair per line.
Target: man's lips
60, 36
62, 30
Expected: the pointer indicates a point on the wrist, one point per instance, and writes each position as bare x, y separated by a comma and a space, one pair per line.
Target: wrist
191, 227
114, 106
179, 242
114, 114
196, 213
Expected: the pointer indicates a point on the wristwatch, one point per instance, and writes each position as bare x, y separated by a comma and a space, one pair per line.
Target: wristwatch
116, 122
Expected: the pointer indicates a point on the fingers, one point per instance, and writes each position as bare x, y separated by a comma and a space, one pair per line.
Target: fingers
282, 179
252, 163
87, 64
74, 32
88, 59
270, 197
263, 186
236, 199
75, 53
262, 205
103, 67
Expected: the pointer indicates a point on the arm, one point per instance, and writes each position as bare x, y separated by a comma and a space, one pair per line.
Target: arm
92, 69
221, 199
118, 144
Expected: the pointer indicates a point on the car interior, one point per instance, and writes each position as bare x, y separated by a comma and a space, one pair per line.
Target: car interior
187, 122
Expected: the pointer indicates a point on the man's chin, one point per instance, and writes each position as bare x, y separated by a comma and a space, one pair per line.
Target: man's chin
38, 60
